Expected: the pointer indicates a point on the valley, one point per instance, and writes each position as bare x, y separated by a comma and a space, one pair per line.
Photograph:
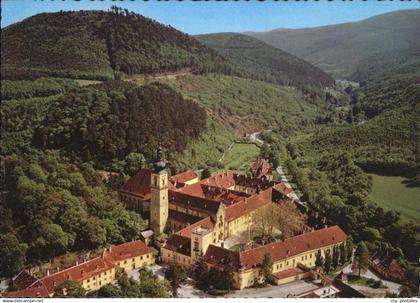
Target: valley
219, 127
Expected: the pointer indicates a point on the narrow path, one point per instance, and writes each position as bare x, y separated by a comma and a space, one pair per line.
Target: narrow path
254, 138
229, 148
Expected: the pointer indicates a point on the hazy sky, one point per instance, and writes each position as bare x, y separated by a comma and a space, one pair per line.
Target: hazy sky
205, 17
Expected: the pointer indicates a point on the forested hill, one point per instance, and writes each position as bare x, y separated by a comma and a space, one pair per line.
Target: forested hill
103, 123
386, 43
269, 63
101, 45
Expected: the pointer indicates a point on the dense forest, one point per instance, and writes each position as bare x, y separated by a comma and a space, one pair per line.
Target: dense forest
111, 120
265, 61
41, 87
54, 205
385, 93
103, 123
101, 45
386, 144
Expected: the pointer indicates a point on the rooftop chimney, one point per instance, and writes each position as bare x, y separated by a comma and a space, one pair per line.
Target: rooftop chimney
48, 272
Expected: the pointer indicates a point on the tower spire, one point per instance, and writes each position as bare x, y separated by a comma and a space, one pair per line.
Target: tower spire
160, 163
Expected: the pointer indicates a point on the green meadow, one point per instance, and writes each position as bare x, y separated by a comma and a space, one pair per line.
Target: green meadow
396, 193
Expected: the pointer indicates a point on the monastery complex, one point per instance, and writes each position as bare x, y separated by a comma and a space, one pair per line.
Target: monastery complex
200, 215
197, 218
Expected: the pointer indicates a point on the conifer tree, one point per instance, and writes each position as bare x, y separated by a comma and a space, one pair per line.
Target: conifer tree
361, 256
328, 262
319, 261
335, 257
343, 254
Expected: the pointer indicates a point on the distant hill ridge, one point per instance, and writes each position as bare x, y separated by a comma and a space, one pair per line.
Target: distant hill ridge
269, 63
101, 45
386, 43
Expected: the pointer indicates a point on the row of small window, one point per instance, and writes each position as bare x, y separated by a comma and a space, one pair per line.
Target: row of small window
279, 266
184, 260
94, 278
133, 260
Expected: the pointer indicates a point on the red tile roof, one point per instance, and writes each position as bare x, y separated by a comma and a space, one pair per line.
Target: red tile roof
179, 244
251, 182
216, 254
182, 217
248, 205
35, 292
288, 273
261, 168
138, 185
126, 250
23, 280
213, 193
192, 202
206, 222
223, 180
79, 272
293, 246
184, 177
282, 188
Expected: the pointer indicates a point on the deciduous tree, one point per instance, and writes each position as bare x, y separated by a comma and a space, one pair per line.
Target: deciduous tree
70, 289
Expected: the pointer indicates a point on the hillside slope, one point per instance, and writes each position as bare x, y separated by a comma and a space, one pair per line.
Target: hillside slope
386, 144
269, 63
246, 105
355, 50
101, 45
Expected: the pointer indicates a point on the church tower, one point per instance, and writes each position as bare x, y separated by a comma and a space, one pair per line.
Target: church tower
159, 195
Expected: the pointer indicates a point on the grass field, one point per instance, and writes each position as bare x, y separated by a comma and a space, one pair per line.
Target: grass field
83, 82
241, 156
392, 193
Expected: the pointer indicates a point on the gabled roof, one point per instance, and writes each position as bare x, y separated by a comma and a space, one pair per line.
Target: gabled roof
23, 280
248, 205
293, 246
252, 182
291, 272
206, 222
138, 185
79, 272
179, 244
181, 241
215, 255
223, 180
193, 202
184, 177
217, 194
261, 168
182, 217
282, 188
35, 292
126, 250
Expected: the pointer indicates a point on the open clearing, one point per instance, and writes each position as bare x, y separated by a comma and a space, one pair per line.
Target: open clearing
396, 193
241, 156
